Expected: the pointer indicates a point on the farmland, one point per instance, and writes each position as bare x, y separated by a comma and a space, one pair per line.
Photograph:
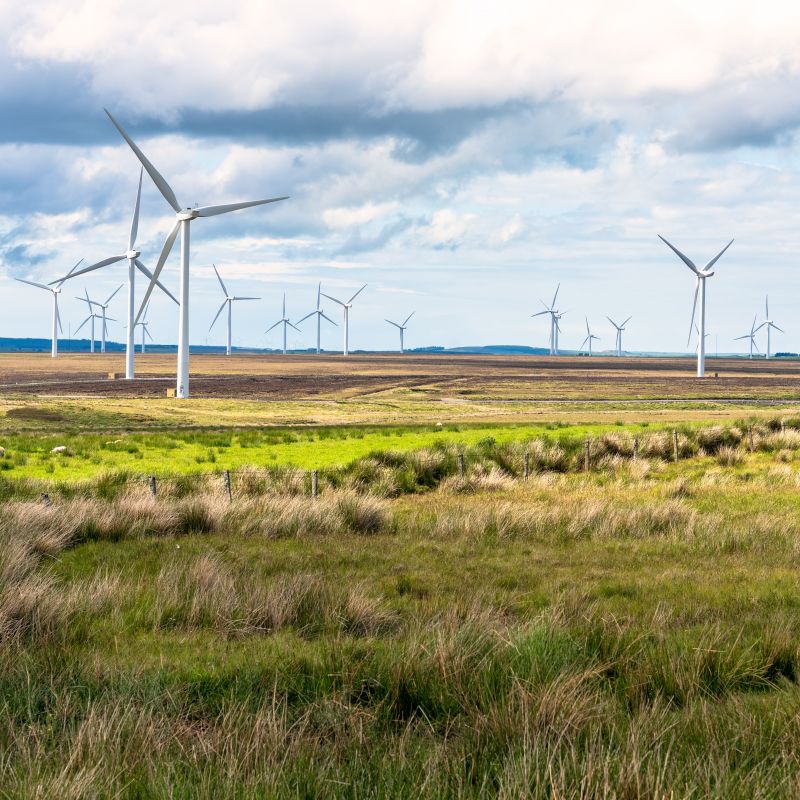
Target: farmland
433, 624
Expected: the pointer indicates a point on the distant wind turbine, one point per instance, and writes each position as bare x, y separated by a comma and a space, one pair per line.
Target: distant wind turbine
103, 307
769, 325
143, 324
184, 216
402, 328
751, 336
620, 329
56, 316
589, 337
132, 255
286, 323
554, 318
346, 306
228, 301
320, 316
700, 287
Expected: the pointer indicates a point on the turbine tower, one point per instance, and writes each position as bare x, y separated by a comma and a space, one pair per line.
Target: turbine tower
402, 328
184, 217
228, 301
346, 306
752, 336
589, 337
620, 328
554, 318
56, 316
286, 323
769, 325
103, 307
132, 255
700, 287
320, 315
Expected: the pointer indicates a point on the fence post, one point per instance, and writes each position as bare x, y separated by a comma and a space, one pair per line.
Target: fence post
227, 477
527, 467
586, 456
675, 445
783, 426
153, 488
46, 499
750, 437
635, 447
460, 465
314, 483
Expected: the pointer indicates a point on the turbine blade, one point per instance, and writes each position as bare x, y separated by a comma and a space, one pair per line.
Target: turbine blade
717, 257
58, 319
540, 313
777, 328
694, 308
357, 293
689, 263
216, 316
293, 326
555, 296
135, 219
319, 292
306, 317
333, 298
212, 211
236, 297
33, 283
224, 289
143, 269
162, 259
83, 323
113, 293
104, 263
273, 326
325, 316
158, 178
147, 334
626, 322
408, 318
394, 323
583, 343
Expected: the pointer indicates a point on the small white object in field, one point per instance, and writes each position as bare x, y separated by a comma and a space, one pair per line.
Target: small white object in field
60, 449
2, 452
438, 424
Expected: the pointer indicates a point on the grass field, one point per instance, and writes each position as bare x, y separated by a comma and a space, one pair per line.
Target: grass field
626, 632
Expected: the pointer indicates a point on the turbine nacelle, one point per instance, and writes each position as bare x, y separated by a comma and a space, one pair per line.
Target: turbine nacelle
132, 255
189, 213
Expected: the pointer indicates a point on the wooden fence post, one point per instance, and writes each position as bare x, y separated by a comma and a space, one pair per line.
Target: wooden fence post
153, 487
635, 448
461, 469
750, 437
227, 477
314, 483
783, 426
586, 463
527, 465
675, 445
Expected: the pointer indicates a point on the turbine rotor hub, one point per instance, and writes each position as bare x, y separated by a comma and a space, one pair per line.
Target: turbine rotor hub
133, 254
187, 214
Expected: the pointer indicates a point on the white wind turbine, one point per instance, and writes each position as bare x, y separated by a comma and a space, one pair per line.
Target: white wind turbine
589, 337
134, 263
184, 216
769, 324
228, 301
346, 306
751, 336
402, 328
103, 307
286, 323
320, 316
56, 316
554, 318
144, 326
700, 287
620, 328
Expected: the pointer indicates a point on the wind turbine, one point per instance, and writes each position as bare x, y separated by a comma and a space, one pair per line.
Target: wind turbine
402, 328
769, 324
184, 217
285, 320
320, 315
752, 336
144, 326
132, 255
228, 301
620, 328
700, 287
56, 316
589, 337
104, 308
554, 317
346, 306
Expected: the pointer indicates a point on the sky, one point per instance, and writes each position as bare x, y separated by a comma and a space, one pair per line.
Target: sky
461, 158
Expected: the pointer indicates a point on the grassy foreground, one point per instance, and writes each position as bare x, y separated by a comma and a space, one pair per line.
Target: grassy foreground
627, 632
